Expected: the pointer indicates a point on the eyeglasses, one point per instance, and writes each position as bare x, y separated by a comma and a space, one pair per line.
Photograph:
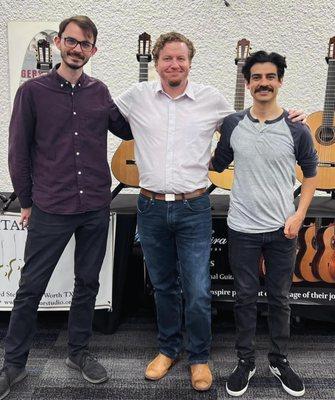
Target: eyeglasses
72, 43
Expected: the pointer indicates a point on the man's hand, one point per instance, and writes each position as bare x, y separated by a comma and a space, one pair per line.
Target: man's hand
25, 215
297, 115
292, 225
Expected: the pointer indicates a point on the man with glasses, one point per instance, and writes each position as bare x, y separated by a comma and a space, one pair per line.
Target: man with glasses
60, 173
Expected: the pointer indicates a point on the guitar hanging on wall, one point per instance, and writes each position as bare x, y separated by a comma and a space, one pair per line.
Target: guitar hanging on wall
322, 126
123, 162
225, 178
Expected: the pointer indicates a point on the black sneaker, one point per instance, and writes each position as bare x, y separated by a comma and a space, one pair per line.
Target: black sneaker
89, 367
8, 377
289, 379
238, 381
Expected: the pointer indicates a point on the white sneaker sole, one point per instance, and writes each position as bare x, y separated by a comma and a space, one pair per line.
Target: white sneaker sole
72, 365
287, 389
239, 393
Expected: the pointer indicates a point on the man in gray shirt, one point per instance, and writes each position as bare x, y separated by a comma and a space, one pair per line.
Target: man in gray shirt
265, 146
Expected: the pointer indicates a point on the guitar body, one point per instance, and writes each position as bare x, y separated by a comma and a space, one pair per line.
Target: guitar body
326, 153
305, 265
326, 255
123, 164
223, 179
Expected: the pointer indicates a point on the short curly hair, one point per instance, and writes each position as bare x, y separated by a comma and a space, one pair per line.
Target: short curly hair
172, 37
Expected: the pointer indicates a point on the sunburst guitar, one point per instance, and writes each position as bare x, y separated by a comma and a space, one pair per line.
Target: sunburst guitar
322, 127
123, 164
225, 178
324, 260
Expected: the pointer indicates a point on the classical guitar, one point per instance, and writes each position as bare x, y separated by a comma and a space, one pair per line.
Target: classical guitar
323, 262
123, 162
323, 129
307, 266
225, 178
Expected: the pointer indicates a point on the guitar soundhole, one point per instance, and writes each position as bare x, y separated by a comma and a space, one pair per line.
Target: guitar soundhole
325, 135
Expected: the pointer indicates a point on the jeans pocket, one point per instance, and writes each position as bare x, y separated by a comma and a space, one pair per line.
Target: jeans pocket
143, 204
199, 204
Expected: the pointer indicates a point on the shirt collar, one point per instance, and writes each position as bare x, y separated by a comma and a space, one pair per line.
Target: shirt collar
189, 91
63, 82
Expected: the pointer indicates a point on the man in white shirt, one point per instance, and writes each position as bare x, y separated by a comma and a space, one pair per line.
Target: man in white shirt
173, 122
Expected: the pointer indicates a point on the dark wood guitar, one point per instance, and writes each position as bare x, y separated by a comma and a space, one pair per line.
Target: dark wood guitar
323, 129
225, 178
123, 165
307, 266
324, 261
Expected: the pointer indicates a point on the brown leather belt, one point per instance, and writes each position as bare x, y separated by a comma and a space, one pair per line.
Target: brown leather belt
172, 196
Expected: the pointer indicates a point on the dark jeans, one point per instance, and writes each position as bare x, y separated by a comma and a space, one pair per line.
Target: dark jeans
48, 235
176, 239
244, 255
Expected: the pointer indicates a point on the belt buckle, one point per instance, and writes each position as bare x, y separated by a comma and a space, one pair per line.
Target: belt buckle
170, 197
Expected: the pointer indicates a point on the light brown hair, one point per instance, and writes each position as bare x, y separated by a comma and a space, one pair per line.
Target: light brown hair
172, 37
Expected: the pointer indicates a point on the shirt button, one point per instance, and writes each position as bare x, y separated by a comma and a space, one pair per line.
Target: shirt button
74, 113
81, 191
61, 85
77, 153
79, 172
76, 133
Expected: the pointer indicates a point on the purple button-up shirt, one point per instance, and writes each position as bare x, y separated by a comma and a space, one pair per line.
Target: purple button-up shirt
58, 143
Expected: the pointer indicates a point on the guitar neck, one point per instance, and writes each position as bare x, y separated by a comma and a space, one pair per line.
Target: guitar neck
328, 110
143, 73
239, 88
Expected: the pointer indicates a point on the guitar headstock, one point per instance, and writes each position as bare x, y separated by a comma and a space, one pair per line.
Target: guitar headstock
331, 49
242, 50
43, 55
144, 47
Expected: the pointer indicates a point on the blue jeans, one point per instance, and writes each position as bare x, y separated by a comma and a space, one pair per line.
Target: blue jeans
279, 254
176, 239
48, 235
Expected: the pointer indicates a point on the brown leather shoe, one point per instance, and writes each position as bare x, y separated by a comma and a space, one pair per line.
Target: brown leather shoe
159, 367
201, 377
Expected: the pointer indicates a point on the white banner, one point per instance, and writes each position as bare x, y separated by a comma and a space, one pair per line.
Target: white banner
59, 291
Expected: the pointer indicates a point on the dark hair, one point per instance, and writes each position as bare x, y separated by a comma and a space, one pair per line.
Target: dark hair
263, 57
85, 23
172, 37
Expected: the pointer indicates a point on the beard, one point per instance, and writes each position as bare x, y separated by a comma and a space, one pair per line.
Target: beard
75, 66
174, 83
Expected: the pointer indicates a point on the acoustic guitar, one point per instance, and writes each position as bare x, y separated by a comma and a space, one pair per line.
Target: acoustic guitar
323, 264
225, 178
123, 164
323, 129
307, 266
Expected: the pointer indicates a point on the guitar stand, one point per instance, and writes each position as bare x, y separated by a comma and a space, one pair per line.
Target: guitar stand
7, 201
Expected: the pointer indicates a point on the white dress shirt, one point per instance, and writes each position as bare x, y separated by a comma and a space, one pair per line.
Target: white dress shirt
173, 136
